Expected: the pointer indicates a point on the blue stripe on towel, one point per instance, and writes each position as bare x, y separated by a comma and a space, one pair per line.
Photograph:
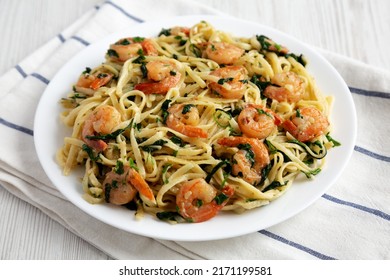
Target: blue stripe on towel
358, 206
16, 127
41, 78
296, 245
81, 40
21, 71
369, 93
62, 39
372, 154
124, 12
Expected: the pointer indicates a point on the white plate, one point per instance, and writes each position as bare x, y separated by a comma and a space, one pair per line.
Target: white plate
49, 133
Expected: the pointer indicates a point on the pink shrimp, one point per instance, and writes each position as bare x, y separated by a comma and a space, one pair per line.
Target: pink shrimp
289, 87
127, 48
251, 158
121, 188
234, 77
307, 124
223, 53
178, 30
102, 120
88, 83
185, 121
197, 201
257, 121
164, 75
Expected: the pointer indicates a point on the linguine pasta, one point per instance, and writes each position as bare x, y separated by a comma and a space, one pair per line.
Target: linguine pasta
195, 121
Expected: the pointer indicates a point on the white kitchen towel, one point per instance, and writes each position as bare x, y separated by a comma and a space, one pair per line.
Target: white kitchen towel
350, 221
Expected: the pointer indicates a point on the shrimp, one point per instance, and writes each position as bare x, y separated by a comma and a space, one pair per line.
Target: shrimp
127, 48
289, 87
102, 120
234, 77
251, 158
121, 188
88, 83
184, 118
164, 75
307, 124
117, 190
257, 121
223, 53
197, 201
178, 30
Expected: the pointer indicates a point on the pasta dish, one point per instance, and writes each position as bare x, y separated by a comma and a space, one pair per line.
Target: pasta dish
194, 122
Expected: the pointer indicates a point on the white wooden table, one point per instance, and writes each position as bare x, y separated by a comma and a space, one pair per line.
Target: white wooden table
354, 28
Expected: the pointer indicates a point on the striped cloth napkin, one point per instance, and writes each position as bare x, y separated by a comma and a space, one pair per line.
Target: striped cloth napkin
350, 221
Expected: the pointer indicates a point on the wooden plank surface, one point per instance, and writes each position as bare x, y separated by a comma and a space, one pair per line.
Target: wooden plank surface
354, 28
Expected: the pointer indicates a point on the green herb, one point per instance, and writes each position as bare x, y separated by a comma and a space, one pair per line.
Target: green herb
144, 70
102, 75
299, 58
107, 191
262, 112
273, 185
138, 39
172, 73
271, 148
177, 140
298, 114
119, 167
112, 135
87, 70
195, 50
318, 155
250, 155
90, 152
225, 80
114, 184
334, 142
166, 215
222, 118
174, 56
264, 172
164, 172
123, 42
199, 203
220, 198
256, 79
112, 53
264, 42
187, 108
133, 165
166, 32
164, 109
140, 52
140, 59
215, 169
213, 48
155, 146
137, 126
78, 96
312, 173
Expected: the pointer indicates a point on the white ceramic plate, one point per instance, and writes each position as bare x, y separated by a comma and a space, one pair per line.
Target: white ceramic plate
49, 133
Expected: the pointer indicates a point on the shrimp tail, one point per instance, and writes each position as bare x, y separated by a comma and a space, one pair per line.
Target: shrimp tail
146, 193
